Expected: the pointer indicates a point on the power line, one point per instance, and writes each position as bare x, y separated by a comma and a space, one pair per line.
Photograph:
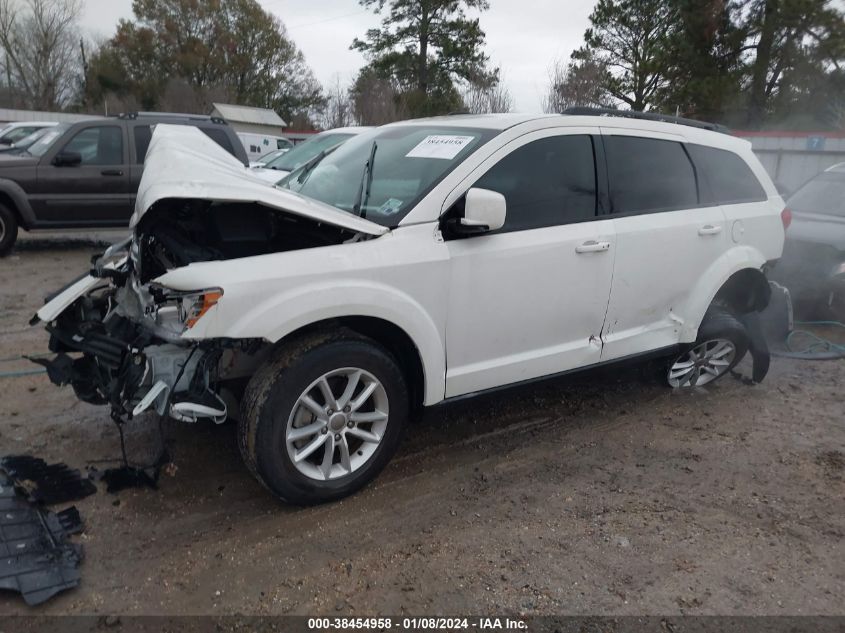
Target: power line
337, 17
316, 22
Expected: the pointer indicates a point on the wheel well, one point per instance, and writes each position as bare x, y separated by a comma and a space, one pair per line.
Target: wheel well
390, 336
7, 201
745, 291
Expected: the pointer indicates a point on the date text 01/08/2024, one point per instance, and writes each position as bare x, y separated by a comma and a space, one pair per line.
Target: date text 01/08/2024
416, 624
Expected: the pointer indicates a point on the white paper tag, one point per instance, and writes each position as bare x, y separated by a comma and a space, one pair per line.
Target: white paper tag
390, 207
440, 146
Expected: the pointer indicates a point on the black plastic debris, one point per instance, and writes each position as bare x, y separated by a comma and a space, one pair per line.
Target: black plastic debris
117, 479
47, 484
36, 558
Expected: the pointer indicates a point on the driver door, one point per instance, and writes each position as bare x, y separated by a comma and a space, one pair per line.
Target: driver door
529, 300
94, 192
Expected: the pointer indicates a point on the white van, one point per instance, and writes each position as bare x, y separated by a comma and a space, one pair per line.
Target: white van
258, 145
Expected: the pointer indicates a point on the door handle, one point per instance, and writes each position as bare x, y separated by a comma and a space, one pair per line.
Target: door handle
112, 172
593, 247
709, 229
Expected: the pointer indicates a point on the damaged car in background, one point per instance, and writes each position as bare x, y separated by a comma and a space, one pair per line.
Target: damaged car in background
417, 263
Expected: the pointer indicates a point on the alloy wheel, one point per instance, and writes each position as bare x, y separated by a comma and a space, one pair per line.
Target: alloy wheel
337, 424
703, 364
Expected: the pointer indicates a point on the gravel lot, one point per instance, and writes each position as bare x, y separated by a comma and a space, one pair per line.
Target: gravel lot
604, 494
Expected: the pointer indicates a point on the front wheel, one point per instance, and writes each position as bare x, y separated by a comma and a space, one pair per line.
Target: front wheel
323, 417
722, 342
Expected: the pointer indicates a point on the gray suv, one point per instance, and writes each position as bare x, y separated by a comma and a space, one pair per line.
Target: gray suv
86, 175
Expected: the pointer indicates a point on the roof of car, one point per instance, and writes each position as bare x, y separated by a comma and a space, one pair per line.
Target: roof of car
16, 124
679, 127
345, 130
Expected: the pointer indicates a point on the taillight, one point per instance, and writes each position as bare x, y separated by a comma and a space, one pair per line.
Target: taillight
786, 218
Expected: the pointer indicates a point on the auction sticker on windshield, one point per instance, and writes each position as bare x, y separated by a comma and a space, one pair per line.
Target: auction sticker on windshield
440, 146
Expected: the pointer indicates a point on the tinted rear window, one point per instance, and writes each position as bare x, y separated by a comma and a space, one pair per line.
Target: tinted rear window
221, 138
649, 175
729, 178
824, 194
143, 134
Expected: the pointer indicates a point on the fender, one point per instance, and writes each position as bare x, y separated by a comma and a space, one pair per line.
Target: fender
21, 201
287, 312
737, 258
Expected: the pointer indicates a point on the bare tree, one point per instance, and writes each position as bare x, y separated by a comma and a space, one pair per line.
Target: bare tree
487, 98
39, 39
339, 109
377, 101
581, 83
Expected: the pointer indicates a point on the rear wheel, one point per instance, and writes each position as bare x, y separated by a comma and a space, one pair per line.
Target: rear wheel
8, 230
323, 418
722, 342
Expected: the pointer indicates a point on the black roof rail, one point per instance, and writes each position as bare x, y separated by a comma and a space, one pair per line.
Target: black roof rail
132, 116
647, 116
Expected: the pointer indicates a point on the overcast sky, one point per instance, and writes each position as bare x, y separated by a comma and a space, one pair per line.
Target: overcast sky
524, 37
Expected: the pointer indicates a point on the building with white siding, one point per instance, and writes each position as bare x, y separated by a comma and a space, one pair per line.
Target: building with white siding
792, 158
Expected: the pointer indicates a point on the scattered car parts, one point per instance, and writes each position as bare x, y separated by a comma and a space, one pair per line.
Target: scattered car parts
46, 484
36, 558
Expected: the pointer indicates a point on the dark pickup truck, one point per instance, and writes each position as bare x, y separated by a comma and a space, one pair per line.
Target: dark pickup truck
86, 175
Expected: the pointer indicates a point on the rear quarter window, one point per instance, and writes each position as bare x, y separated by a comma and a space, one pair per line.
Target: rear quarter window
727, 179
143, 135
221, 138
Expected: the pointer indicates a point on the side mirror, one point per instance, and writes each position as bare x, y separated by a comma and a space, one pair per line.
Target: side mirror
484, 211
67, 159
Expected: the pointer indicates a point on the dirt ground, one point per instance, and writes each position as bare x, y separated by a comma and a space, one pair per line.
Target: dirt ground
604, 494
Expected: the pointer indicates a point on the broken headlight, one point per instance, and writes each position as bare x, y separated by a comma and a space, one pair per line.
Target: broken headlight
187, 307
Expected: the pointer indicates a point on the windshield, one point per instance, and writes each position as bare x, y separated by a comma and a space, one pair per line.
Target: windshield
824, 194
26, 141
266, 158
304, 152
40, 147
408, 161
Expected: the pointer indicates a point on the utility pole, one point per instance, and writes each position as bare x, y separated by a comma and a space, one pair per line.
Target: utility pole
9, 82
84, 74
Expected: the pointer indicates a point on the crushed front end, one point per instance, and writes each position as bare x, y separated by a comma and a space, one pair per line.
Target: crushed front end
120, 344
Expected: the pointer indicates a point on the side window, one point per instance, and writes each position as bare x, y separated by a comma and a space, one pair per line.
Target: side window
548, 182
649, 175
730, 179
98, 145
220, 137
143, 135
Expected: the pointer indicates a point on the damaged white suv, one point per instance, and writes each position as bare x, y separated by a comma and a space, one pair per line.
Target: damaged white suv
420, 262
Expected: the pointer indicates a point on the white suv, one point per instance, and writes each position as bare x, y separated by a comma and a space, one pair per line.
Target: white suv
418, 263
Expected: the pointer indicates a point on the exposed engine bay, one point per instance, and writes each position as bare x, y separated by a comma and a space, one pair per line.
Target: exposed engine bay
175, 233
121, 342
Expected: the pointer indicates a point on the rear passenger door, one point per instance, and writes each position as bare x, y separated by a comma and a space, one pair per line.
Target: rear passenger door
667, 236
529, 300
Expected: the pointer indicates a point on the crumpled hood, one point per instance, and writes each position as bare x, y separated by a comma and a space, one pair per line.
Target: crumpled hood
182, 162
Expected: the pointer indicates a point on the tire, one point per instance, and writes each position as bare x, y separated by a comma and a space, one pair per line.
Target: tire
830, 306
8, 230
722, 343
273, 408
